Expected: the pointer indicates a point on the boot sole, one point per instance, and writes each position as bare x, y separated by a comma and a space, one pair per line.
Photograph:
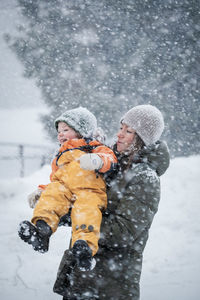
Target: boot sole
29, 234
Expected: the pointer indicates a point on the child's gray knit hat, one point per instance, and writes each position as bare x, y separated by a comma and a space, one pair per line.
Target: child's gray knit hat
147, 121
81, 120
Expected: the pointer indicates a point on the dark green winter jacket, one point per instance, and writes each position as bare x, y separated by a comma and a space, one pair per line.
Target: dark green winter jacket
133, 198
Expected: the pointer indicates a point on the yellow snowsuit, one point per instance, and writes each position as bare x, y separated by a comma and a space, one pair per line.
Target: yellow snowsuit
83, 190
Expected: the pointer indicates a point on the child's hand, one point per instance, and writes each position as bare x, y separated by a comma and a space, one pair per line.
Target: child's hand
90, 161
34, 197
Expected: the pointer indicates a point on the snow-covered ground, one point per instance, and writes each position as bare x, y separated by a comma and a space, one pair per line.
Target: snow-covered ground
171, 258
172, 255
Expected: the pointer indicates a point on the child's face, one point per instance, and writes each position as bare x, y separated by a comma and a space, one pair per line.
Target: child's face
66, 133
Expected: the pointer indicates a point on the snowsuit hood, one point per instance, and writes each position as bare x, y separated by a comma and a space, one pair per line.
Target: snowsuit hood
157, 157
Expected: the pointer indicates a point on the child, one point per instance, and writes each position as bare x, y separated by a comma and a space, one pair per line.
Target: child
74, 184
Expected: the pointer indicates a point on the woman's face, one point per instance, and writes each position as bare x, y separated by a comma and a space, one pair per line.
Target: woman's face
126, 137
66, 133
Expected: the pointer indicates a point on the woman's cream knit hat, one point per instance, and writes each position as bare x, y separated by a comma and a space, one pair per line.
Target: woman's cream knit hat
147, 121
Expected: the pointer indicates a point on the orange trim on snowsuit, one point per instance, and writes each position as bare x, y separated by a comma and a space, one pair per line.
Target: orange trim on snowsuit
69, 180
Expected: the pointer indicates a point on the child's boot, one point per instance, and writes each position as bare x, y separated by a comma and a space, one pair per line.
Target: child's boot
83, 255
37, 236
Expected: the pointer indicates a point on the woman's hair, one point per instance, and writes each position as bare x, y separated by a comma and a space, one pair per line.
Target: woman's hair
137, 146
126, 158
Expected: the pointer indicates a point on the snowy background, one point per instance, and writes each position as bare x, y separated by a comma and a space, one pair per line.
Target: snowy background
172, 255
20, 106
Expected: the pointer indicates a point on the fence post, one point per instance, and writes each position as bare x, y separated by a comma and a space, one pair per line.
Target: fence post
21, 157
43, 161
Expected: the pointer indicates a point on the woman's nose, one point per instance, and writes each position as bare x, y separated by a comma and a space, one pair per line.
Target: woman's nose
120, 133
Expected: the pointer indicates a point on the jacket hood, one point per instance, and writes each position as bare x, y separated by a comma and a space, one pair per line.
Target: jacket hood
157, 156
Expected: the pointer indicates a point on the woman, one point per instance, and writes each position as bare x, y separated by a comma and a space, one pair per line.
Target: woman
133, 198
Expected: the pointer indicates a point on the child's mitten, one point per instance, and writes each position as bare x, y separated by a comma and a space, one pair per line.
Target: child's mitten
90, 161
34, 197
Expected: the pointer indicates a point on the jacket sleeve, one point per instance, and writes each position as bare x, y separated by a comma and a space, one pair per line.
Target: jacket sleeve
54, 168
108, 157
136, 206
